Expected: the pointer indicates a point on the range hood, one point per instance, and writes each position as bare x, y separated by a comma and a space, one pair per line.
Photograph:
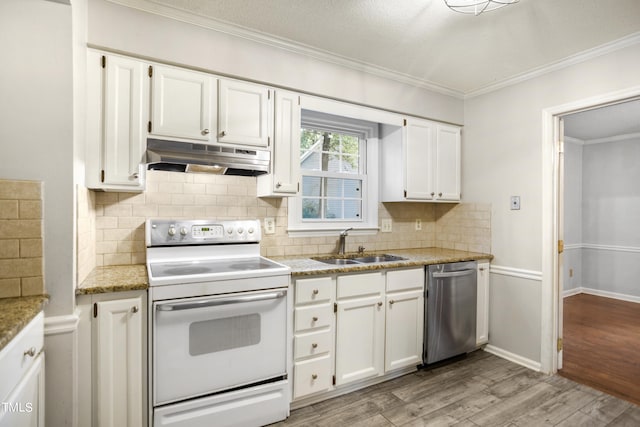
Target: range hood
207, 158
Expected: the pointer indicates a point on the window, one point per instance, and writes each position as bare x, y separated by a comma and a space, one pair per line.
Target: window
338, 175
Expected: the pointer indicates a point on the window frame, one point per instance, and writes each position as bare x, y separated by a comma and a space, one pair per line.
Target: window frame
368, 224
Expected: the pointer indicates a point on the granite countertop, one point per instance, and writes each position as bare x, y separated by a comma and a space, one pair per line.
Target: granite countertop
16, 313
116, 278
415, 257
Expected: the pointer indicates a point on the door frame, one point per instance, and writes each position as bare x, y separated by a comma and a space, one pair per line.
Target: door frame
551, 295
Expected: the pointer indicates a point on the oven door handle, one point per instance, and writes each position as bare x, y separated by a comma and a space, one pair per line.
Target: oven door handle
189, 305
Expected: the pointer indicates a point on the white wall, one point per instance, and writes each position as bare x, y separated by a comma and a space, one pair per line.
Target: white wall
502, 156
36, 143
144, 34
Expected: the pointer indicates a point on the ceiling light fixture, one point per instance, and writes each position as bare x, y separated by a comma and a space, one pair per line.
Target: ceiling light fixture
476, 7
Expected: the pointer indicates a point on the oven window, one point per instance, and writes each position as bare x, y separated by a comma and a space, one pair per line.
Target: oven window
215, 335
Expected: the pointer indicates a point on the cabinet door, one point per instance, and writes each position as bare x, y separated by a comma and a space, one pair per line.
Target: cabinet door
125, 111
404, 327
243, 113
419, 159
359, 339
119, 377
181, 103
25, 404
285, 165
482, 319
448, 163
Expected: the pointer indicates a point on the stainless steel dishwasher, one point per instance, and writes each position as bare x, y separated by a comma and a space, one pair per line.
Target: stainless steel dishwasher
450, 303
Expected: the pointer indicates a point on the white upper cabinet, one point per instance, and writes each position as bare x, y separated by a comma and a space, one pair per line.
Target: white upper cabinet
243, 113
420, 162
285, 163
117, 107
181, 103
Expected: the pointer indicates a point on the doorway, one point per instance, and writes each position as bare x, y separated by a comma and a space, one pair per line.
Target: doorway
600, 266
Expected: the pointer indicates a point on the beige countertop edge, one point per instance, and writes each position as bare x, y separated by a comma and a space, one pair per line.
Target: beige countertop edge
116, 278
16, 313
415, 257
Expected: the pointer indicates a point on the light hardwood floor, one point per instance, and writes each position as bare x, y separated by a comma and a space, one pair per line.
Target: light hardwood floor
481, 390
602, 344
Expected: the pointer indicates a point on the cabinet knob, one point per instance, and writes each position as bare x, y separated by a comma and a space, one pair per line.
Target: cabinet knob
481, 269
315, 318
223, 133
314, 345
205, 131
135, 175
314, 376
135, 309
278, 184
379, 304
315, 292
391, 302
433, 194
439, 194
31, 352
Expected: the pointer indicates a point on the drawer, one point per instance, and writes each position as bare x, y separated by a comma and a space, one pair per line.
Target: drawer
312, 344
316, 316
403, 280
313, 290
16, 358
312, 376
356, 285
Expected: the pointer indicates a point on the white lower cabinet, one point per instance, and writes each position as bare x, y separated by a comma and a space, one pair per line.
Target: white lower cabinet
22, 377
482, 319
113, 353
404, 318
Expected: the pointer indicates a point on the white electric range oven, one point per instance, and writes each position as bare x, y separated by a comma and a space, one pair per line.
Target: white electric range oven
219, 316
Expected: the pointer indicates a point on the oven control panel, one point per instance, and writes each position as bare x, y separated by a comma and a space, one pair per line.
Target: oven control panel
167, 232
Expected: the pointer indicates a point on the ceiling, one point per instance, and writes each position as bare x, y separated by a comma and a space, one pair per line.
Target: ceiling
424, 41
605, 122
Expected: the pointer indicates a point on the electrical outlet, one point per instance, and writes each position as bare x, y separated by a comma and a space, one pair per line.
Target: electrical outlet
515, 203
269, 226
571, 272
418, 224
386, 226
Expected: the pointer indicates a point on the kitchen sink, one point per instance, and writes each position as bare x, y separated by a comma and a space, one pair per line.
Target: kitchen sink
360, 260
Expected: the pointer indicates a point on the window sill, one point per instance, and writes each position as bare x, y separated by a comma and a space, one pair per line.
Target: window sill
314, 232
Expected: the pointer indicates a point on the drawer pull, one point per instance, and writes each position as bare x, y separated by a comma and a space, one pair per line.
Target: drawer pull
315, 292
314, 345
134, 309
314, 376
31, 352
379, 304
314, 318
391, 302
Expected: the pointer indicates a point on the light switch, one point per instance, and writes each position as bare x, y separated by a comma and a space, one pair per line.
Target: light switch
515, 203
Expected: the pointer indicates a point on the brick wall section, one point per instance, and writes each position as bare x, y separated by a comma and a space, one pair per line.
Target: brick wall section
21, 266
120, 217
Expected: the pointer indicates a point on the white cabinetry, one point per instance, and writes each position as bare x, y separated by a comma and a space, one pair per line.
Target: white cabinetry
482, 320
113, 359
285, 163
359, 327
117, 107
404, 318
243, 113
181, 103
22, 374
313, 336
420, 161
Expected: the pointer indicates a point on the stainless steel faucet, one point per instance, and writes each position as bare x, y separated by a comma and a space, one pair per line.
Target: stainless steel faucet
343, 236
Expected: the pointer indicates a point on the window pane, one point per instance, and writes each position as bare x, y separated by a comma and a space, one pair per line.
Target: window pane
309, 138
349, 164
310, 161
311, 186
333, 187
352, 209
352, 188
330, 162
311, 208
333, 208
351, 145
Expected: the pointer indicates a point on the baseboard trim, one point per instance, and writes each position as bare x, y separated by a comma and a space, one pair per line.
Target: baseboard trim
600, 293
55, 325
516, 272
512, 357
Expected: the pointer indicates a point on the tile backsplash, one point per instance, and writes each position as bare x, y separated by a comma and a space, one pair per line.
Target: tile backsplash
120, 217
21, 231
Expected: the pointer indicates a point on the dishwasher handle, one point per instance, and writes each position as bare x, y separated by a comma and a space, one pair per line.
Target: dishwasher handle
453, 274
189, 305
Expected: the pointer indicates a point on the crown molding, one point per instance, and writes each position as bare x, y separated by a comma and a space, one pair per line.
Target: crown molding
284, 44
573, 140
586, 55
616, 138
